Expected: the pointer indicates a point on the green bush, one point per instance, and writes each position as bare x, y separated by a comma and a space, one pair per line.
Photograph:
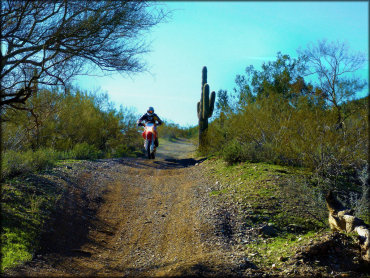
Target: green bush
171, 130
120, 151
237, 151
233, 152
272, 130
85, 151
65, 119
42, 158
274, 115
16, 163
13, 163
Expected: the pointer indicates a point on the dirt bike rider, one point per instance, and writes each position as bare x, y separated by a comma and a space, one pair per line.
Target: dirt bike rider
150, 117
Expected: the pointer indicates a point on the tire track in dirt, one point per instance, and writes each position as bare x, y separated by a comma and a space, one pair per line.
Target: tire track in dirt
150, 222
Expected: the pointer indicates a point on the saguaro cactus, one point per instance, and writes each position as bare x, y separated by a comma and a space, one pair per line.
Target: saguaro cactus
205, 106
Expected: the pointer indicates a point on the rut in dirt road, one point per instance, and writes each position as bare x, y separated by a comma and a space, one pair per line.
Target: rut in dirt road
152, 218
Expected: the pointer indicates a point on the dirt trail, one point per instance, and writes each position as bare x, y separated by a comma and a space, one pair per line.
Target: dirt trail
151, 218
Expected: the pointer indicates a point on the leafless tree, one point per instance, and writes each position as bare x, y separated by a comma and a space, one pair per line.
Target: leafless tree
49, 42
334, 66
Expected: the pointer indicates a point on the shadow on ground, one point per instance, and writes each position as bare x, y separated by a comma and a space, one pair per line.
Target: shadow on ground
168, 163
202, 269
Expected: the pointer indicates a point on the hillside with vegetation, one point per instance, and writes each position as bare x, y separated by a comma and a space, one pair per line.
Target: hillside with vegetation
248, 199
275, 116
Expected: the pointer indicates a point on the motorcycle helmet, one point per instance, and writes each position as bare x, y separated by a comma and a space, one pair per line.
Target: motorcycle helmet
150, 111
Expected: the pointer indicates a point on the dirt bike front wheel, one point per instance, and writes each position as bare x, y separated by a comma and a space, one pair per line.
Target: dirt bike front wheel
148, 149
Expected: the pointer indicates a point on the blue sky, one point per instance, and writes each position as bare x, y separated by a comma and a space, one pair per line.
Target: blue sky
226, 37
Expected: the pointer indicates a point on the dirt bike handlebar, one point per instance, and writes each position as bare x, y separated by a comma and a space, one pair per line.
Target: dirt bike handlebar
141, 124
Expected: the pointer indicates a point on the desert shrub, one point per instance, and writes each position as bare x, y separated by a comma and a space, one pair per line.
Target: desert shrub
13, 163
16, 163
305, 204
191, 132
171, 130
233, 152
60, 120
272, 130
237, 151
277, 116
121, 151
43, 158
216, 137
85, 151
359, 201
75, 124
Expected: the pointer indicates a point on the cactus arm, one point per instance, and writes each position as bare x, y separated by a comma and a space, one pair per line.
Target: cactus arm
212, 104
205, 101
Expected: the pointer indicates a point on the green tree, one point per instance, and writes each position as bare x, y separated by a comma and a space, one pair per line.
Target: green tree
282, 76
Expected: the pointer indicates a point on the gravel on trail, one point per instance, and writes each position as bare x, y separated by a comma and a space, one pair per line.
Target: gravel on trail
135, 217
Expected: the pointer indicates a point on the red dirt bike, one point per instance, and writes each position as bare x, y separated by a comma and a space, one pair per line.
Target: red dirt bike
149, 135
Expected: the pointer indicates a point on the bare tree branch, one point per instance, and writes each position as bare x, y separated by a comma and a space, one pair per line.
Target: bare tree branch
335, 66
60, 39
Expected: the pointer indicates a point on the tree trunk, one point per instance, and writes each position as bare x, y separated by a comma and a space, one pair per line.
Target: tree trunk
341, 219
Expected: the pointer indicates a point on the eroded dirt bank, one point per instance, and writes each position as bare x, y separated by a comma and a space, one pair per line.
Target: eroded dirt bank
139, 217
